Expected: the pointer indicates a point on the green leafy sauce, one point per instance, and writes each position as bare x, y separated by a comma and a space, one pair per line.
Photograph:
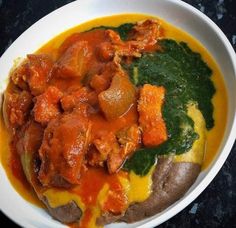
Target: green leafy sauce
186, 78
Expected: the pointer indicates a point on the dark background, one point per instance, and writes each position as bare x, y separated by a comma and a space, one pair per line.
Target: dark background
216, 206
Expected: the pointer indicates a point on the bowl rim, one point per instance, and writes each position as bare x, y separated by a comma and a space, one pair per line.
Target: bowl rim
223, 154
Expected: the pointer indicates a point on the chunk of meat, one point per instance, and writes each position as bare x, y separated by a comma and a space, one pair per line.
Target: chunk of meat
74, 62
150, 103
101, 82
39, 72
62, 152
129, 139
28, 146
143, 37
146, 32
97, 35
103, 146
83, 94
17, 107
106, 51
121, 48
95, 158
113, 149
20, 74
115, 160
113, 36
33, 136
68, 42
34, 73
118, 98
47, 105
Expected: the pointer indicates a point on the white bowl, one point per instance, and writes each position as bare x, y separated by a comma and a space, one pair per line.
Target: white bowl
177, 13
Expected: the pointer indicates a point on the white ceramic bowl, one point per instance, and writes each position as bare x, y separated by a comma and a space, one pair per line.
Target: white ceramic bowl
177, 13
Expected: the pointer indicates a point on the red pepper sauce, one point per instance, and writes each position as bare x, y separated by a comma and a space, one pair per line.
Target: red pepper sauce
91, 183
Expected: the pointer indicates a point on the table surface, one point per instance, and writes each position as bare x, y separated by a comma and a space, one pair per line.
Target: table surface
216, 206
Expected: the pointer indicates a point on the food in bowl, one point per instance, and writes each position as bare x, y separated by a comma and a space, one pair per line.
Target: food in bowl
112, 123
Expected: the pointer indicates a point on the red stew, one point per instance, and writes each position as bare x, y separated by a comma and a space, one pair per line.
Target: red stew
78, 116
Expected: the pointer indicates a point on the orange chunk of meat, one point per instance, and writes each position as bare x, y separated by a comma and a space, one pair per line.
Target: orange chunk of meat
39, 72
115, 161
95, 158
146, 32
33, 73
103, 146
16, 108
129, 139
118, 98
121, 48
62, 152
47, 105
150, 103
74, 62
68, 42
105, 51
143, 37
20, 74
32, 138
83, 94
101, 82
113, 149
28, 143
